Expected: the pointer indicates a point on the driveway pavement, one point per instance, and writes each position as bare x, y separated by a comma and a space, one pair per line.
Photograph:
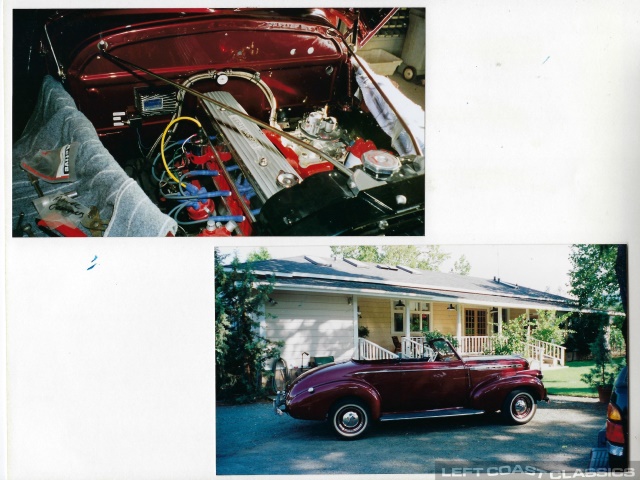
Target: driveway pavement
252, 440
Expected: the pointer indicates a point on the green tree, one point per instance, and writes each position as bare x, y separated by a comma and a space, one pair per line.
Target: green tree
584, 330
593, 278
222, 322
257, 255
598, 278
549, 327
461, 266
428, 257
432, 258
513, 338
240, 349
364, 253
604, 371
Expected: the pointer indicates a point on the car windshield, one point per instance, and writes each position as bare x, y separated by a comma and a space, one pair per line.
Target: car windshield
443, 350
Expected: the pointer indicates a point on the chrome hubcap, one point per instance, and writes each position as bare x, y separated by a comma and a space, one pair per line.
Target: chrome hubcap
521, 406
350, 419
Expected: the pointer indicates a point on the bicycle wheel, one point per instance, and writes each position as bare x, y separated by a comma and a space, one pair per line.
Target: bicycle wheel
280, 376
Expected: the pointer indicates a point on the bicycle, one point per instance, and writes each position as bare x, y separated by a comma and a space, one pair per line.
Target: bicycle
280, 375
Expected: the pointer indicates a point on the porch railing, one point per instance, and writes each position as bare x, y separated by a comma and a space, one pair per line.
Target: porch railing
411, 348
535, 354
370, 351
535, 349
550, 350
419, 339
476, 344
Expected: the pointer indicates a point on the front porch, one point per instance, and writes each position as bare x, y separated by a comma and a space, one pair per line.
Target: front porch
540, 354
545, 352
397, 326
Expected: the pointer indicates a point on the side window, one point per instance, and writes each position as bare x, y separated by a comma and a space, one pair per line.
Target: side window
419, 316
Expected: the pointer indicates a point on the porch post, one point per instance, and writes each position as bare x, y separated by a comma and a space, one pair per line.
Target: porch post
459, 327
407, 321
499, 321
528, 325
356, 341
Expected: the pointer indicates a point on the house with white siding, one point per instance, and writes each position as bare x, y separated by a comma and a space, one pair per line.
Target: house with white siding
318, 304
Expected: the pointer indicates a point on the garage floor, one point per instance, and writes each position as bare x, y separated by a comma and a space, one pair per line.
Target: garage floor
413, 90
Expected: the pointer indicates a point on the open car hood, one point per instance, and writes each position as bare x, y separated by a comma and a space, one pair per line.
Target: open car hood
283, 136
69, 27
367, 21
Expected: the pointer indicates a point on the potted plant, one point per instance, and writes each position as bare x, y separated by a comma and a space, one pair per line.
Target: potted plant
433, 334
363, 331
603, 374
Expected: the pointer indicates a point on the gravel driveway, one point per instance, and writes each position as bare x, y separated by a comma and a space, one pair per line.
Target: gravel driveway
252, 440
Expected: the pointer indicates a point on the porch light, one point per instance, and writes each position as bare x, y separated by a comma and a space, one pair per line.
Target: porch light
451, 307
493, 310
400, 304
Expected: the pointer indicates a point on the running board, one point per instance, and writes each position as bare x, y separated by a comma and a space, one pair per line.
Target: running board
445, 412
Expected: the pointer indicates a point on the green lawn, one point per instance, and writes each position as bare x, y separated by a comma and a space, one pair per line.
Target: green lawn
566, 381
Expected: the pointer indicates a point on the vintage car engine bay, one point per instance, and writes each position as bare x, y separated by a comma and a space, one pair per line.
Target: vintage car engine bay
245, 122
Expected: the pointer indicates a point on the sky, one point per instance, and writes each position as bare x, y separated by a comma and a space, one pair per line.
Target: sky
542, 267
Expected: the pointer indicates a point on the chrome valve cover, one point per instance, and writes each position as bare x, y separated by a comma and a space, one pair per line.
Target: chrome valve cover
258, 158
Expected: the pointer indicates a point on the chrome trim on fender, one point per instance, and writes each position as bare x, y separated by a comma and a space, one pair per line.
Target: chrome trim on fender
494, 367
367, 372
425, 370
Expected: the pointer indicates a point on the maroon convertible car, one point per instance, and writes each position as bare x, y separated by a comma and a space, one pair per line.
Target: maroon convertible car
437, 384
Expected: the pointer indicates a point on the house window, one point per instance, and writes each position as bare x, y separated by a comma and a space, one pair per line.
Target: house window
398, 317
475, 322
419, 316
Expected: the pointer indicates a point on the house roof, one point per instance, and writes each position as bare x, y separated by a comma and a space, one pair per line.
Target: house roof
369, 279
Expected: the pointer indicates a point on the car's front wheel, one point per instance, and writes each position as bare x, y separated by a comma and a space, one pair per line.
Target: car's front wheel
350, 418
519, 407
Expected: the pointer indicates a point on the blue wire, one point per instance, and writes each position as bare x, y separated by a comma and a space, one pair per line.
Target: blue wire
217, 193
219, 218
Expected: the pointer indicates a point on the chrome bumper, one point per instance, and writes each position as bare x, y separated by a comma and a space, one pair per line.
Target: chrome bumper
279, 406
615, 450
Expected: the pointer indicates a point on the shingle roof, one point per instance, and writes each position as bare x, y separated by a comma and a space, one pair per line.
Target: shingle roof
341, 275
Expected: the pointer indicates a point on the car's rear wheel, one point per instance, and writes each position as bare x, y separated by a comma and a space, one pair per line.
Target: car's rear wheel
350, 418
519, 407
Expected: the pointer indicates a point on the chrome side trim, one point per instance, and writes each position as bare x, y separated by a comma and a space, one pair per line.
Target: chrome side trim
493, 367
404, 370
445, 412
425, 370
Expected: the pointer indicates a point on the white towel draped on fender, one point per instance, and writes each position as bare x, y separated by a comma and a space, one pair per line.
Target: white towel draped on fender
412, 114
101, 182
